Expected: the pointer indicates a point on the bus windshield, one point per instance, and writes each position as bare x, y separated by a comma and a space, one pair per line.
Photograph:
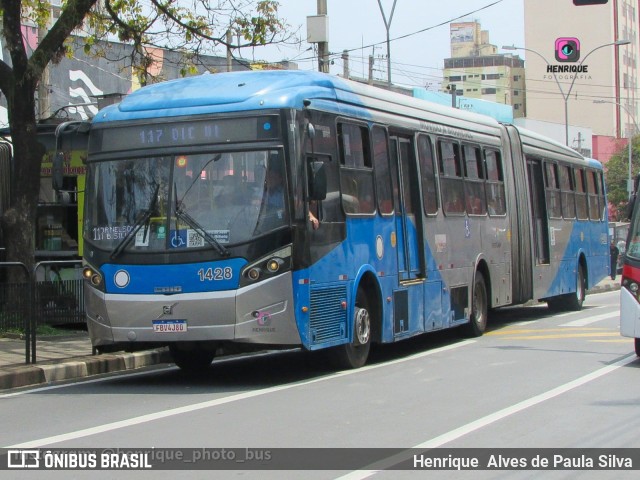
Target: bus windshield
185, 201
633, 247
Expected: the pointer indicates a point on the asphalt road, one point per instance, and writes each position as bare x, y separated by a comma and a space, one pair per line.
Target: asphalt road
535, 380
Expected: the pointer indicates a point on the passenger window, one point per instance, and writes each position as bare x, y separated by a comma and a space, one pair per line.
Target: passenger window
567, 192
552, 185
496, 202
452, 189
356, 174
382, 173
474, 191
428, 175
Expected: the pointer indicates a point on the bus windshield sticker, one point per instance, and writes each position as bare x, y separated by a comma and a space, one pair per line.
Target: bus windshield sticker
190, 238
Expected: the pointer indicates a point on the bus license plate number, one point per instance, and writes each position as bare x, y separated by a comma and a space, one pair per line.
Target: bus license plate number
169, 326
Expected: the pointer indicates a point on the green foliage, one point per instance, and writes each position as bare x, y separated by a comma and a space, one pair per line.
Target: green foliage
617, 173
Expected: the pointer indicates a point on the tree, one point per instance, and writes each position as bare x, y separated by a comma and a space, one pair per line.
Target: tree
191, 25
617, 173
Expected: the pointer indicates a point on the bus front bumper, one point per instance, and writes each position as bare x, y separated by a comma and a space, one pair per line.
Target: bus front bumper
629, 314
259, 314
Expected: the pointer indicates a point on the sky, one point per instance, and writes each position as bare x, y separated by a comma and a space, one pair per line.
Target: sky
416, 60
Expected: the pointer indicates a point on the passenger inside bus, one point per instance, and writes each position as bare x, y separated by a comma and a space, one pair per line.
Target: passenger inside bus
454, 203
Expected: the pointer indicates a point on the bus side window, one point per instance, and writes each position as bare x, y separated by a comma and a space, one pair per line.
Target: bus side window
581, 195
384, 192
474, 190
567, 192
496, 203
594, 209
356, 172
552, 187
601, 199
451, 187
428, 175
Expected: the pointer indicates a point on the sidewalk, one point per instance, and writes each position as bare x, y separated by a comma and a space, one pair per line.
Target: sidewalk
64, 358
70, 356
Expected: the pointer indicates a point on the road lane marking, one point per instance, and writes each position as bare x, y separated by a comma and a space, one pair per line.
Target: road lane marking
522, 331
565, 335
489, 419
582, 322
221, 401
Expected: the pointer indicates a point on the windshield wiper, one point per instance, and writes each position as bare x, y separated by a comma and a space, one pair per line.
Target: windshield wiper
193, 223
142, 220
215, 158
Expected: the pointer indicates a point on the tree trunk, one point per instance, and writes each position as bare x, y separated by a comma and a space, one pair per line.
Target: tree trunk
18, 222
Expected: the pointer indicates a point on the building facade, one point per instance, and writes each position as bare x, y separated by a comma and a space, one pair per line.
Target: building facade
475, 70
576, 73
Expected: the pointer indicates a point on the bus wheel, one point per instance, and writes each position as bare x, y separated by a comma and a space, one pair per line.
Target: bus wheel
637, 345
192, 358
575, 300
355, 354
479, 308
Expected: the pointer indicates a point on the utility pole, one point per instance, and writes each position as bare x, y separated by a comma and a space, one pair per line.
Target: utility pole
229, 63
454, 93
387, 25
323, 47
370, 70
345, 64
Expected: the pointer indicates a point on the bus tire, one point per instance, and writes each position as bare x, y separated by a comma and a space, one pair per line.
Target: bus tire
354, 355
192, 358
576, 299
479, 309
636, 343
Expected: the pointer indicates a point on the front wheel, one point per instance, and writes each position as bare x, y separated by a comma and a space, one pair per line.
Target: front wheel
192, 358
355, 354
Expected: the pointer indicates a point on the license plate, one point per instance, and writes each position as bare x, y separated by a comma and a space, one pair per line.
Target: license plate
169, 326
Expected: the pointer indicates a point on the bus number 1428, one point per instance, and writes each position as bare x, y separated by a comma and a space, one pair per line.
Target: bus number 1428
212, 274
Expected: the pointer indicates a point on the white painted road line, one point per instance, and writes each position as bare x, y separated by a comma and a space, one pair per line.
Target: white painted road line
220, 401
489, 419
583, 322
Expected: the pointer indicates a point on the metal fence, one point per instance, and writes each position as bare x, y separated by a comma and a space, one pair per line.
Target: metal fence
52, 295
16, 305
59, 298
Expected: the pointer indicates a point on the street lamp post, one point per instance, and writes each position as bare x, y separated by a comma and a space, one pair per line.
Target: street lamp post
565, 96
630, 142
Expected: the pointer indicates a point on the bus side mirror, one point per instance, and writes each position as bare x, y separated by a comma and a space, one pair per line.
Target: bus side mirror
57, 171
317, 181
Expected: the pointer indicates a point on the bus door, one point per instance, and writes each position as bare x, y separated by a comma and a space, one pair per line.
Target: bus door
538, 208
408, 231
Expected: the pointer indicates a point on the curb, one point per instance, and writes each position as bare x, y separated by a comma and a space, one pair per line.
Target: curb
78, 367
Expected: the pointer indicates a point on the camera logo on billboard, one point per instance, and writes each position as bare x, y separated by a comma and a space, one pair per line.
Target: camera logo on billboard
567, 49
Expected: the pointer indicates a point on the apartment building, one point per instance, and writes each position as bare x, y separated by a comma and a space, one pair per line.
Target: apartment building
476, 70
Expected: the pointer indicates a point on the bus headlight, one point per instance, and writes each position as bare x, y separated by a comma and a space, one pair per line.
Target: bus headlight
268, 266
253, 273
93, 277
632, 286
274, 264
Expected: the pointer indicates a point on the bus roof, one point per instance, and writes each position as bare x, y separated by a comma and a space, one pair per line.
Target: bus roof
252, 90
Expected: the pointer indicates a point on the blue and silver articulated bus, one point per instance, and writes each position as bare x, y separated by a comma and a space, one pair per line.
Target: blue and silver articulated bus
295, 209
